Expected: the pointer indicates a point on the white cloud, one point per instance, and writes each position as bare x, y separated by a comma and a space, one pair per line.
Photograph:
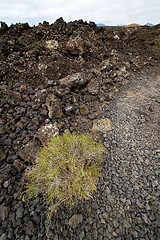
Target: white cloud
110, 12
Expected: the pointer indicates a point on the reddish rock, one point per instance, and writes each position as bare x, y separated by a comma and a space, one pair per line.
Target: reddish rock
75, 45
3, 212
23, 88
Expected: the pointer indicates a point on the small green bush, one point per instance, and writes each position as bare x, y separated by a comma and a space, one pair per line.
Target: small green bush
66, 169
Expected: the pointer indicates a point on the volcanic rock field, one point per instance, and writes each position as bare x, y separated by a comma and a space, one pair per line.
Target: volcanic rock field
81, 78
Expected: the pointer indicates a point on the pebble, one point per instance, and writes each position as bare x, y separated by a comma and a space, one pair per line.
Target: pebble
3, 236
27, 237
81, 235
10, 233
146, 219
30, 228
110, 198
19, 213
75, 220
115, 234
3, 212
95, 205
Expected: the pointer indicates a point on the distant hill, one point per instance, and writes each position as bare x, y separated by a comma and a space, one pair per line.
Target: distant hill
133, 25
100, 25
149, 24
108, 26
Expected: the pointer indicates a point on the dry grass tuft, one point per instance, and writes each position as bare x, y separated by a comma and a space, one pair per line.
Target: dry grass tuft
66, 170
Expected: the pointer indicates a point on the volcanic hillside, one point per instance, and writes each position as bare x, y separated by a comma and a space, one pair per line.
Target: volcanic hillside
46, 52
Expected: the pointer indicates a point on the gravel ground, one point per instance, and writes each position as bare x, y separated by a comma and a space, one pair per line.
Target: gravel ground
126, 204
132, 172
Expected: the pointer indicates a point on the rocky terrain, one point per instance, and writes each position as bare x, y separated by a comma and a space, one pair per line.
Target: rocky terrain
83, 78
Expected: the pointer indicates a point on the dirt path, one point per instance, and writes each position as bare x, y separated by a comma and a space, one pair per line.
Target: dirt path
131, 176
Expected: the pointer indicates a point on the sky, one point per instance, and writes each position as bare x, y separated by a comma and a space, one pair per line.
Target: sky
108, 12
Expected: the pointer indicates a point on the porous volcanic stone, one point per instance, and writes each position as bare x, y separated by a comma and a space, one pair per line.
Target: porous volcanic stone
13, 98
54, 106
30, 150
3, 212
93, 86
17, 164
75, 45
102, 125
75, 220
46, 132
51, 44
30, 228
74, 81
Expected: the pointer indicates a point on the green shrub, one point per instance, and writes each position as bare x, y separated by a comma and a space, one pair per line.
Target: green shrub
66, 169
